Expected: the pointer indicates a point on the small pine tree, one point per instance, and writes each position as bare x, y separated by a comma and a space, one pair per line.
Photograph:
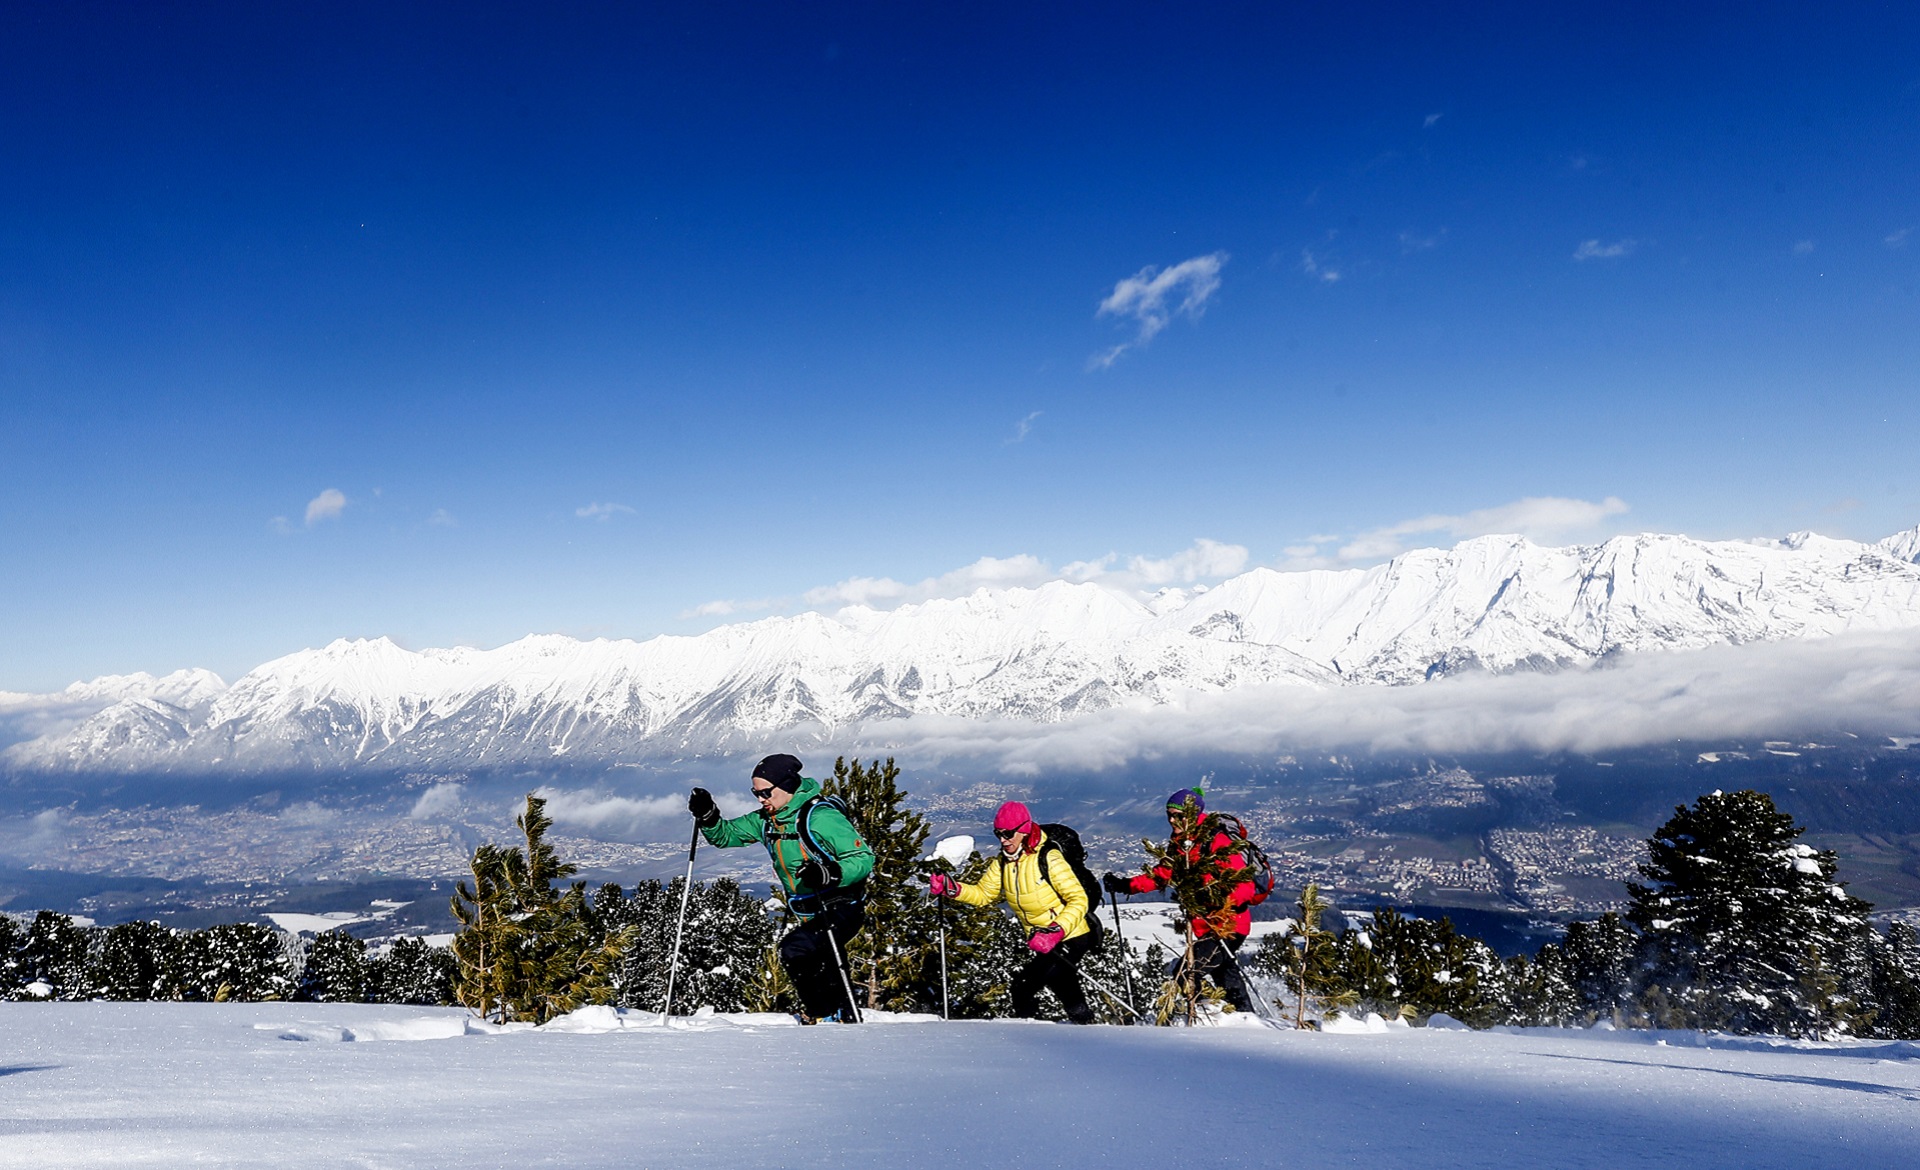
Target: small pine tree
1540, 991
237, 961
13, 974
526, 950
489, 930
138, 961
722, 950
1303, 956
413, 971
1894, 972
768, 989
1602, 959
336, 970
54, 952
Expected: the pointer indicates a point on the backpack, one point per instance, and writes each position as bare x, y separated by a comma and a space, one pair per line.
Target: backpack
1262, 875
1066, 842
805, 821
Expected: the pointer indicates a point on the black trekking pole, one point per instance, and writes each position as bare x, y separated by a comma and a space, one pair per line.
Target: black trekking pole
841, 967
943, 958
1126, 956
686, 891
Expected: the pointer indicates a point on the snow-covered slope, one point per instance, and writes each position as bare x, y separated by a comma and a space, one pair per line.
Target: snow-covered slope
320, 1086
1496, 603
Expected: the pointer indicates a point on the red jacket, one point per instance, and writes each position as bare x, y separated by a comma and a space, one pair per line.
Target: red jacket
1239, 899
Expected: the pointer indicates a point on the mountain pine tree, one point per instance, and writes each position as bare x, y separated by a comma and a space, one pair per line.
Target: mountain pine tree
526, 950
54, 952
1747, 929
889, 956
13, 974
412, 971
241, 961
1417, 967
138, 961
721, 952
1603, 964
1895, 976
1539, 991
336, 970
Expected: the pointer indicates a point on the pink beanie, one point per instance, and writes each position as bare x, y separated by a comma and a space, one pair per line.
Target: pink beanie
1014, 815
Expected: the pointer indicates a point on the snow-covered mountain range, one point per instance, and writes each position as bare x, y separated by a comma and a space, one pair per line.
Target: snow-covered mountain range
1495, 603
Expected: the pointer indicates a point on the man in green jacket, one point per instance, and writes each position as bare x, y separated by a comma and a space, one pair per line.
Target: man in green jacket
822, 862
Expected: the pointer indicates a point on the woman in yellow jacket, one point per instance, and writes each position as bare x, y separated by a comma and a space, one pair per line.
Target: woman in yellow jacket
1053, 909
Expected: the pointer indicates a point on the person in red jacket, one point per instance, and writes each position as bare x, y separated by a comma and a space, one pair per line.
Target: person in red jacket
1214, 946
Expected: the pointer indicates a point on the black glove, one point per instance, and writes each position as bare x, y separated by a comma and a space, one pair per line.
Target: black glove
819, 874
1113, 883
700, 804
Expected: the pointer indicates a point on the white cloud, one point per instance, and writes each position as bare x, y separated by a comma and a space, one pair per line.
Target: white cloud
1803, 247
443, 519
1412, 241
1897, 239
1313, 266
1867, 684
1152, 297
325, 506
1024, 427
602, 512
437, 801
987, 572
1207, 560
1595, 250
1536, 517
1432, 120
1204, 561
601, 812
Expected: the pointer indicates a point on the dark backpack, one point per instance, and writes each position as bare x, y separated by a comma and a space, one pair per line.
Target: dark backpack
1262, 875
1065, 841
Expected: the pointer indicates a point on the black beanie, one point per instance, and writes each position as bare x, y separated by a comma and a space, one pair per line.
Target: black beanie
781, 771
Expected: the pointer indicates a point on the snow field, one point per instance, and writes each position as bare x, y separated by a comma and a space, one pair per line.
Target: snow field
306, 1085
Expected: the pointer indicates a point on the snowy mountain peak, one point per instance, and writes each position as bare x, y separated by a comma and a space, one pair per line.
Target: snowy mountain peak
1045, 653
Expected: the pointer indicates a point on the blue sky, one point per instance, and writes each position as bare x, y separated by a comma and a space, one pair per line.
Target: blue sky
609, 322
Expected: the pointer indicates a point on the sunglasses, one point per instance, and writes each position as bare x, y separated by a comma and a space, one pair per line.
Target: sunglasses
1008, 834
762, 793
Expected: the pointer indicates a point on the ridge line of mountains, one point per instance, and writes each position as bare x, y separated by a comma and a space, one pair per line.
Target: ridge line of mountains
1491, 604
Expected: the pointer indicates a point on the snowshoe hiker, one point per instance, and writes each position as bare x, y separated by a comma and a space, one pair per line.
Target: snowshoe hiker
1034, 877
822, 863
1220, 929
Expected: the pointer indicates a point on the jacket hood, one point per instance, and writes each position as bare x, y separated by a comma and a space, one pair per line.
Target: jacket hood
809, 788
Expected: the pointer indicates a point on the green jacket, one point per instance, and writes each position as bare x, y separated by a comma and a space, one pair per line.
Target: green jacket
780, 833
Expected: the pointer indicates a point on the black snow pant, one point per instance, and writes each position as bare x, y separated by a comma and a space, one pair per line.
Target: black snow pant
809, 960
1059, 972
1213, 958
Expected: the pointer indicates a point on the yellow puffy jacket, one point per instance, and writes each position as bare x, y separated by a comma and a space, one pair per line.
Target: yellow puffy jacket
1037, 903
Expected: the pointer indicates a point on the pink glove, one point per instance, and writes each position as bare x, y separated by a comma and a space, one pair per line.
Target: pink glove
1043, 941
943, 886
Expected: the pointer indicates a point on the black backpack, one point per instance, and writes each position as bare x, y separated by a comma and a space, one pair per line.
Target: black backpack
1067, 842
1262, 875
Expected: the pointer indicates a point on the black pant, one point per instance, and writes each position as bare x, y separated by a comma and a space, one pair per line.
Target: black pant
1059, 972
1213, 958
809, 960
